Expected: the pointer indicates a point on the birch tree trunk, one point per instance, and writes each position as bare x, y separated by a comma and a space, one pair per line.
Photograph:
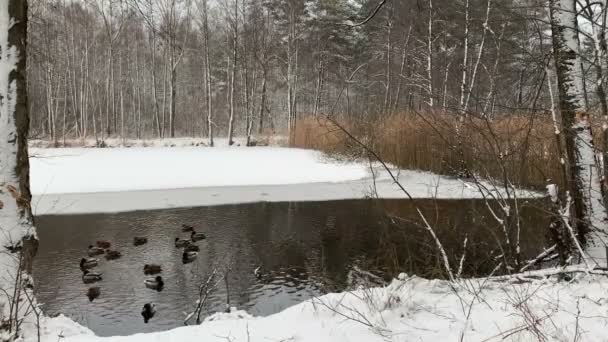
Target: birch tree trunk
465, 57
479, 54
16, 222
462, 165
318, 88
429, 57
389, 62
208, 74
589, 212
404, 55
235, 35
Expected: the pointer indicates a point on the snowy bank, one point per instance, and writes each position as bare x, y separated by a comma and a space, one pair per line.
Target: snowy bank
410, 309
265, 140
81, 180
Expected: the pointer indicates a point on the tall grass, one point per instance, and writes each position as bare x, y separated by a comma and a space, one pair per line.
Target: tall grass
521, 148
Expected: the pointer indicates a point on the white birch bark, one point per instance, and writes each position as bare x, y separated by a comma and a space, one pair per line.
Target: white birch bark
18, 236
589, 206
429, 58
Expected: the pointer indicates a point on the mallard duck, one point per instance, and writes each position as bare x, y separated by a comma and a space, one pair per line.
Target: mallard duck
194, 236
192, 248
155, 284
148, 311
152, 269
93, 293
187, 228
188, 257
138, 241
113, 255
103, 244
93, 251
181, 243
86, 263
89, 277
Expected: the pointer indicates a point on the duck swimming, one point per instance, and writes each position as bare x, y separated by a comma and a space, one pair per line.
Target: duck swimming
155, 284
138, 241
103, 244
194, 236
90, 277
189, 257
192, 248
93, 251
181, 243
86, 263
93, 293
152, 269
187, 228
258, 272
113, 255
148, 311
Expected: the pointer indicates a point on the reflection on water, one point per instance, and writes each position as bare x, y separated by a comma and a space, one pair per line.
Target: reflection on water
305, 249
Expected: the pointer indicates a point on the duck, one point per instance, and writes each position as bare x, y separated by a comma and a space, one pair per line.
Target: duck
192, 248
148, 311
188, 257
86, 263
93, 293
152, 269
194, 236
181, 243
138, 241
93, 251
89, 277
187, 228
103, 244
155, 284
113, 255
258, 272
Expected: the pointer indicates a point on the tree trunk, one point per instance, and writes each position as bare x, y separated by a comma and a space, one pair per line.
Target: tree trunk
154, 89
172, 103
16, 221
479, 54
319, 87
465, 58
235, 35
429, 58
208, 75
402, 69
388, 67
589, 212
262, 102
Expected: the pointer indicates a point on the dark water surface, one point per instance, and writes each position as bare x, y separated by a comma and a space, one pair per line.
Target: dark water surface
306, 249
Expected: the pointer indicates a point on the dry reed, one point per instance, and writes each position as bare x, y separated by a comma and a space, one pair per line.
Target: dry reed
521, 149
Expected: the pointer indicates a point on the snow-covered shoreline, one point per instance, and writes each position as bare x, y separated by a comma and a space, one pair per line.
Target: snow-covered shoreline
409, 309
89, 180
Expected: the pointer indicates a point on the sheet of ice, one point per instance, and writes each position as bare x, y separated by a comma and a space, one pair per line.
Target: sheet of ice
81, 180
410, 309
75, 170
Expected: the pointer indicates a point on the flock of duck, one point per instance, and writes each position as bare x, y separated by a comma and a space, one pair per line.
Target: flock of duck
102, 247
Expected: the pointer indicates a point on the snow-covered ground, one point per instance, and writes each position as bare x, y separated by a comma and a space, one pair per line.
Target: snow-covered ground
409, 309
265, 140
80, 180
